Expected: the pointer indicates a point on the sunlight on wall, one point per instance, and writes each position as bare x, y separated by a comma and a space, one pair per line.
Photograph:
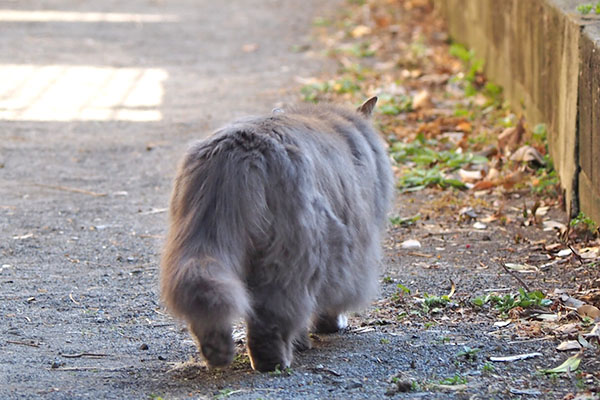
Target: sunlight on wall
80, 93
73, 16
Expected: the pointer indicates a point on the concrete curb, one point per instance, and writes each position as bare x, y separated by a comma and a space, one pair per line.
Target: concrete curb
546, 56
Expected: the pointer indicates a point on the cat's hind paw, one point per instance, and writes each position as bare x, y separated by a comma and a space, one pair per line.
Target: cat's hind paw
331, 324
302, 342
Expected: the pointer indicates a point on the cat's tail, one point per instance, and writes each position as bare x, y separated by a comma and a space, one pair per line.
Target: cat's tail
204, 292
209, 297
218, 198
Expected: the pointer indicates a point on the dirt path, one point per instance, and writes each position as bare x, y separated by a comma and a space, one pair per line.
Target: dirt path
98, 101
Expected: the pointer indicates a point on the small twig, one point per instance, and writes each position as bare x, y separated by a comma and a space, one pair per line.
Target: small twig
329, 371
73, 300
109, 369
23, 343
577, 256
428, 234
530, 340
516, 277
70, 189
79, 355
417, 254
154, 211
144, 236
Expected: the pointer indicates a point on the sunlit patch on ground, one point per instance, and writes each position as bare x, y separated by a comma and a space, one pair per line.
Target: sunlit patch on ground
80, 93
73, 16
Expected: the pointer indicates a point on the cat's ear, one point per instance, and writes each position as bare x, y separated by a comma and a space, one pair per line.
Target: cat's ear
367, 107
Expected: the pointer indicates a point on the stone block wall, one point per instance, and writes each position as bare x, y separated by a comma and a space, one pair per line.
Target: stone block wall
546, 55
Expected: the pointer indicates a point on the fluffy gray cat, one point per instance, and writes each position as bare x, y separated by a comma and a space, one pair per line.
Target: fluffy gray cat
277, 220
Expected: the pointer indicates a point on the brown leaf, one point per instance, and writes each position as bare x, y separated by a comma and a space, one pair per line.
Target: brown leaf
587, 310
511, 137
567, 329
421, 100
464, 126
360, 31
512, 179
484, 185
469, 176
569, 345
382, 21
527, 154
250, 47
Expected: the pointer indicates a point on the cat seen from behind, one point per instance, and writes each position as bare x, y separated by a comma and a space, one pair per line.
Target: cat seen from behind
277, 220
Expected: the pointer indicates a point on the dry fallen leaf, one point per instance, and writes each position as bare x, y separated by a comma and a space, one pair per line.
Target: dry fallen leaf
510, 138
587, 395
250, 47
360, 31
567, 329
469, 176
571, 364
527, 154
522, 268
589, 253
512, 179
421, 100
484, 185
553, 247
547, 317
541, 211
464, 126
516, 357
551, 225
590, 311
569, 345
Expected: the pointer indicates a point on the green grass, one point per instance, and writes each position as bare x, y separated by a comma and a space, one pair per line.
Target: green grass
509, 301
473, 67
314, 91
454, 380
431, 166
548, 180
394, 104
587, 8
360, 50
405, 221
281, 372
468, 353
487, 368
584, 222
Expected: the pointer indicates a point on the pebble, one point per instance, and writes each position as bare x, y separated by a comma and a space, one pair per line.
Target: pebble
479, 225
353, 384
411, 244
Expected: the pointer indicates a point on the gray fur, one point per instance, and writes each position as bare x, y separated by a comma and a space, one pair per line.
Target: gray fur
277, 220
